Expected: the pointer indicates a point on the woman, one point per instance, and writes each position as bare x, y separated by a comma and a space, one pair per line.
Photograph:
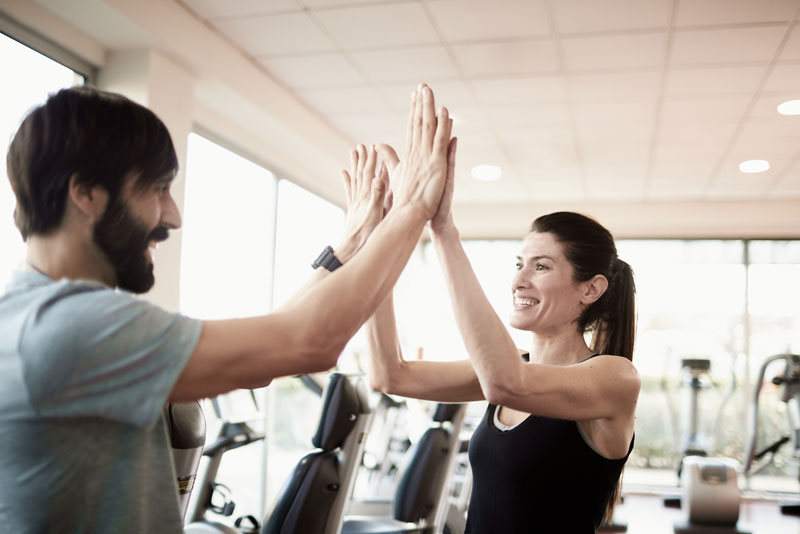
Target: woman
548, 454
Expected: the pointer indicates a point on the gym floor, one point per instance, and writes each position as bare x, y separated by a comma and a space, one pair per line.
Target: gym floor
646, 514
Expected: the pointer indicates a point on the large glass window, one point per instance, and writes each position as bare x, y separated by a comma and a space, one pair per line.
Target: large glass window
226, 257
30, 78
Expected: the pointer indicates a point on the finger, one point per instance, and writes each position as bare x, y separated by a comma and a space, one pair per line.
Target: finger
442, 138
410, 123
388, 156
362, 160
346, 183
428, 117
451, 162
378, 191
369, 167
417, 133
353, 164
388, 200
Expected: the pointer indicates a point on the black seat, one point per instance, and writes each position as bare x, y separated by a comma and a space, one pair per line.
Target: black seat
313, 496
420, 496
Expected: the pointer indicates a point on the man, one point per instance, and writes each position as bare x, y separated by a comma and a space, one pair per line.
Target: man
85, 366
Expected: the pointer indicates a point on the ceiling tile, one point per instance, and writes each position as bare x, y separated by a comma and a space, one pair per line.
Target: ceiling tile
322, 4
378, 26
784, 77
377, 127
766, 107
664, 190
686, 81
533, 136
629, 159
791, 51
693, 176
542, 156
527, 90
609, 86
214, 9
269, 35
337, 100
506, 58
732, 184
677, 132
706, 12
410, 65
726, 45
614, 51
621, 113
705, 110
685, 161
564, 184
614, 184
542, 116
451, 93
319, 70
479, 20
578, 16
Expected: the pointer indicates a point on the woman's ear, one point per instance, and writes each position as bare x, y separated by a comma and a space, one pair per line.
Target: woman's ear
90, 201
594, 288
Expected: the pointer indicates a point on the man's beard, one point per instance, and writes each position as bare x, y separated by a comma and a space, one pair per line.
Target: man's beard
124, 239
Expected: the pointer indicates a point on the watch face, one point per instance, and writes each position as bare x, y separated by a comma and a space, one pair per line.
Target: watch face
327, 259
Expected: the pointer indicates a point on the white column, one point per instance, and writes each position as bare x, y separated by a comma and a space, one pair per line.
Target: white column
154, 80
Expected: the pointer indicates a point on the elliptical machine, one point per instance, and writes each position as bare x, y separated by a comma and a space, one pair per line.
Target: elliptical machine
709, 485
789, 384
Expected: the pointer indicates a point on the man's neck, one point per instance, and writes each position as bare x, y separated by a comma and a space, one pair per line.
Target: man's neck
63, 255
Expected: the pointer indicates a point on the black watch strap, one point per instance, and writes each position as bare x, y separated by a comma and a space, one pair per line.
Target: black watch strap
327, 259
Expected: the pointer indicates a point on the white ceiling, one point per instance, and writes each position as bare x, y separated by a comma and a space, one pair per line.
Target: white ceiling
577, 100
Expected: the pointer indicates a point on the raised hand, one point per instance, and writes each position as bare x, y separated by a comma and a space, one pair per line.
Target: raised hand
365, 189
420, 177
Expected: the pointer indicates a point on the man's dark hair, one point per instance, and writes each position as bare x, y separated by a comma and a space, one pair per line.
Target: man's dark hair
100, 137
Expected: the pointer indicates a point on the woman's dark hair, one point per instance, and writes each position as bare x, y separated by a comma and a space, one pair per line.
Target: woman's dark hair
101, 138
590, 249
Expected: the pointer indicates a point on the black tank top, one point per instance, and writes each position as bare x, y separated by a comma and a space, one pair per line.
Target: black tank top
539, 477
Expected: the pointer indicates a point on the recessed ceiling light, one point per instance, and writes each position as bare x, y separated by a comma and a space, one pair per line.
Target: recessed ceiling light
486, 173
790, 107
754, 165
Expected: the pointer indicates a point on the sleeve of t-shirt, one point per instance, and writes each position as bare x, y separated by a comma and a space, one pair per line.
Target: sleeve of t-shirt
90, 351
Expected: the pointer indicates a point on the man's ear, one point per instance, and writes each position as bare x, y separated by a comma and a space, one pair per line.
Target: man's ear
594, 288
91, 201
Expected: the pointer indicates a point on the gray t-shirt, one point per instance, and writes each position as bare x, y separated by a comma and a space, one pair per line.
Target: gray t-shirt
84, 373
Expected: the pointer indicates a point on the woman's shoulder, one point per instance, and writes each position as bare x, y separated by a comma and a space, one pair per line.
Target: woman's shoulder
618, 367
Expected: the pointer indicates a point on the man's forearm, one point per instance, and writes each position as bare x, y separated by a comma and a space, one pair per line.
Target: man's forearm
336, 307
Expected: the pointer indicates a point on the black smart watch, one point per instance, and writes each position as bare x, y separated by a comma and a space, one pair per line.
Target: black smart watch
327, 259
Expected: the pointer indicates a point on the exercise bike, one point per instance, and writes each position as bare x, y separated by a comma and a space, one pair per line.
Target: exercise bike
709, 485
187, 427
789, 389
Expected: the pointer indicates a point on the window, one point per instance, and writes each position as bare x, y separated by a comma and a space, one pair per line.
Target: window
34, 78
226, 271
228, 217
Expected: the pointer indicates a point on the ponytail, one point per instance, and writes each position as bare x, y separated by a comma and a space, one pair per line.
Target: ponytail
613, 318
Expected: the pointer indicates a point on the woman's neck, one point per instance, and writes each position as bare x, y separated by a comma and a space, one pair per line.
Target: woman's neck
562, 349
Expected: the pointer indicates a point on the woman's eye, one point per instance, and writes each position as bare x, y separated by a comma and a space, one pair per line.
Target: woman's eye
541, 267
